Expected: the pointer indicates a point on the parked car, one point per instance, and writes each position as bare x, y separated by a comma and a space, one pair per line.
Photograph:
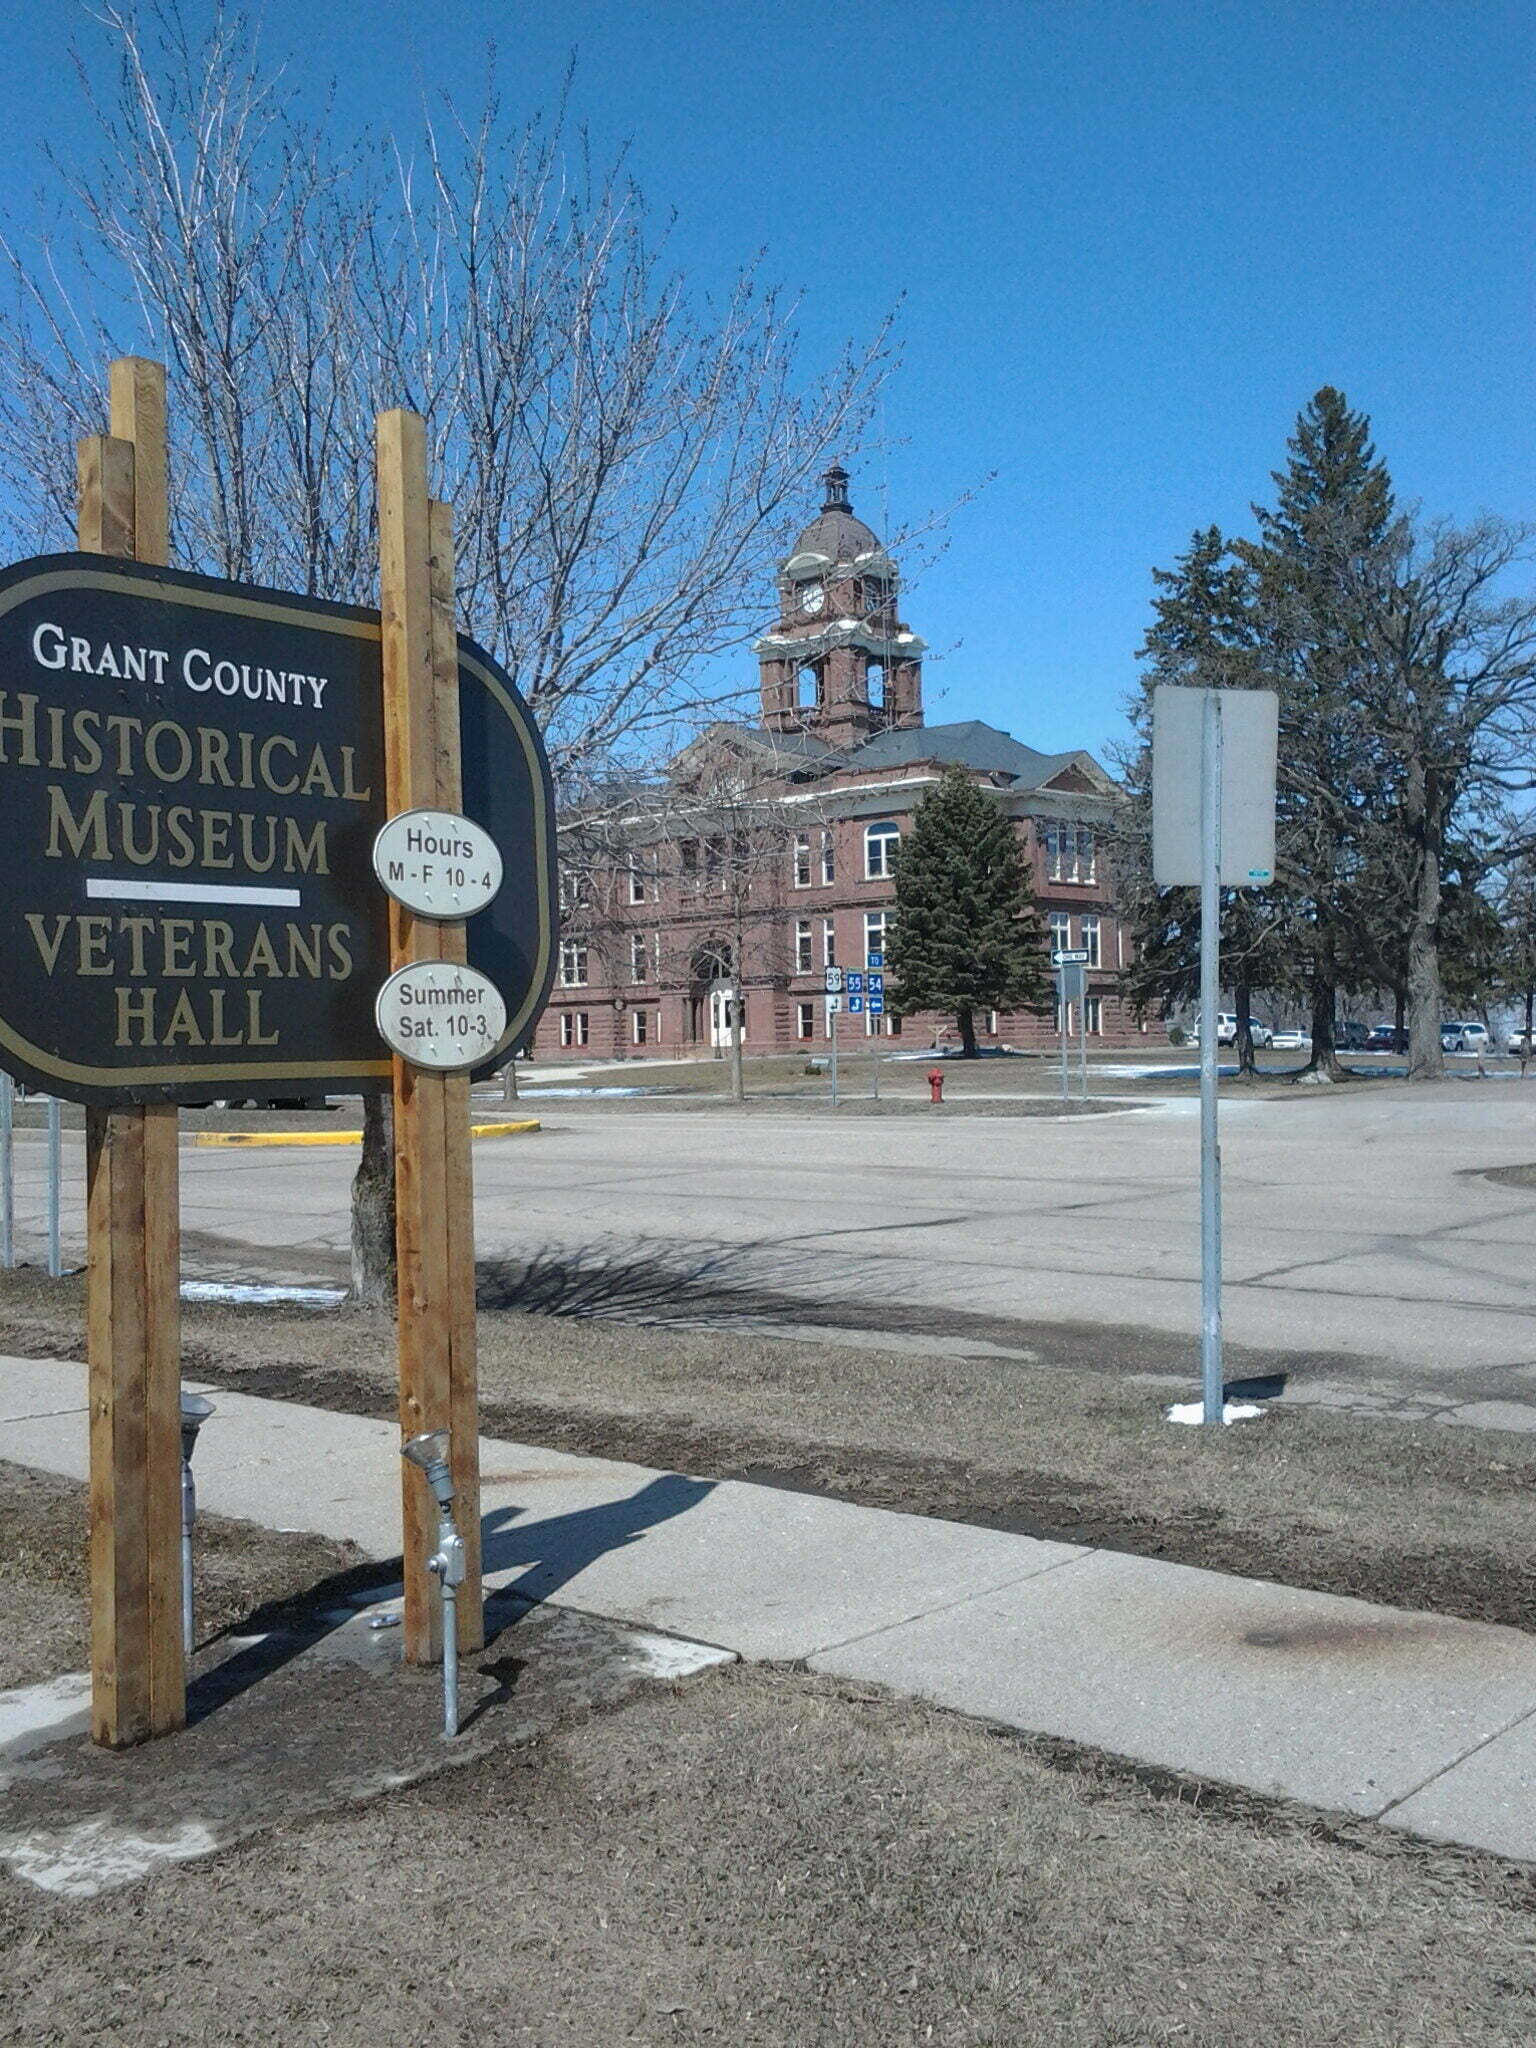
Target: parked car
1226, 1030
1464, 1037
1386, 1038
1290, 1041
1520, 1044
1348, 1036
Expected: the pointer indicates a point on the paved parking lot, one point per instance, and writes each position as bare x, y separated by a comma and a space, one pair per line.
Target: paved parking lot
1359, 1226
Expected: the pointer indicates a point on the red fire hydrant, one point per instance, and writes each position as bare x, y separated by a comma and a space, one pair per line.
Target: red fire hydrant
935, 1085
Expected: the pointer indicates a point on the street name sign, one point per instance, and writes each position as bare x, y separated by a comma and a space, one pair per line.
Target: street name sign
192, 783
437, 864
439, 1015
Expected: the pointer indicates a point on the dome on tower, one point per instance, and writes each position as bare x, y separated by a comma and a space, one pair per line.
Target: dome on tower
835, 534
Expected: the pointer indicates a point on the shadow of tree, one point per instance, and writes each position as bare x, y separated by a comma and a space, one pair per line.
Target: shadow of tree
764, 1279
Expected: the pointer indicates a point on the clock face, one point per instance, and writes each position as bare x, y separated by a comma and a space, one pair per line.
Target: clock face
812, 597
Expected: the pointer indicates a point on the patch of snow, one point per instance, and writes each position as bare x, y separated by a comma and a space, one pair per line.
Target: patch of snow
544, 1094
262, 1296
671, 1657
1232, 1411
32, 1716
95, 1856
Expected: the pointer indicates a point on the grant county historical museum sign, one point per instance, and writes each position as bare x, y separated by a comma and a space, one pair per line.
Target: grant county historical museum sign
191, 781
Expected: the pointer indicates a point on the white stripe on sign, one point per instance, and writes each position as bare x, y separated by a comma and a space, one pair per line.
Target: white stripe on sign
188, 892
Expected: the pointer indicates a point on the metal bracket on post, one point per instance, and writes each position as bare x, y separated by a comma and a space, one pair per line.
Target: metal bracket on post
1212, 1388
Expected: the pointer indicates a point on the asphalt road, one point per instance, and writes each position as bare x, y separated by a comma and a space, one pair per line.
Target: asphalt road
1359, 1228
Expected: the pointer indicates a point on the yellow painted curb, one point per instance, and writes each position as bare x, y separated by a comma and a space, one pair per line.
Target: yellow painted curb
340, 1137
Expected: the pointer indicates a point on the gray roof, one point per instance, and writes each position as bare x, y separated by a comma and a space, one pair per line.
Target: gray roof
838, 535
972, 744
804, 744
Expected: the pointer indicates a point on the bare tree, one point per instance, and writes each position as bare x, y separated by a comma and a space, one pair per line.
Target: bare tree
715, 837
1449, 658
623, 454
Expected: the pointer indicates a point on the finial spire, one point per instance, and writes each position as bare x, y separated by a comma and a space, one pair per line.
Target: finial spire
836, 481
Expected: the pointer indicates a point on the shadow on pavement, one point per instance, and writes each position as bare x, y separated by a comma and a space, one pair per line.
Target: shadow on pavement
559, 1547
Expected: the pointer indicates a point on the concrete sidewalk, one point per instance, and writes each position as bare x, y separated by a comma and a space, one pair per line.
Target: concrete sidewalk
1421, 1722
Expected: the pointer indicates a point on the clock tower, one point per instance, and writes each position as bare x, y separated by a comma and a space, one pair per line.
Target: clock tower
839, 663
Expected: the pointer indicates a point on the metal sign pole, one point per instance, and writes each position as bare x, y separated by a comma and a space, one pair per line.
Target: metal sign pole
1210, 987
7, 1169
1082, 1040
1061, 1024
832, 1034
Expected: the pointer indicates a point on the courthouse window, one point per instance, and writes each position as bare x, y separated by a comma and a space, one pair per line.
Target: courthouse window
880, 844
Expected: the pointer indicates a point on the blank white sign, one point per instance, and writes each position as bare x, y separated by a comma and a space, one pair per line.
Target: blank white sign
1250, 734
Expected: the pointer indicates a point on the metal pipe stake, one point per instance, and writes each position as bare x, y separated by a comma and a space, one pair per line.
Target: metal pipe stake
7, 1161
55, 1261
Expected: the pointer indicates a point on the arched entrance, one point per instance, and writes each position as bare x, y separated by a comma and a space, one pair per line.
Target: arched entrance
713, 996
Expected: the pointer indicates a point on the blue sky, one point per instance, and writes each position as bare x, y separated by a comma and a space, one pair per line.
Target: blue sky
1130, 240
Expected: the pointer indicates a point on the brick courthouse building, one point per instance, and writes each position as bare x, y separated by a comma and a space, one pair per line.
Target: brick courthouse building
777, 839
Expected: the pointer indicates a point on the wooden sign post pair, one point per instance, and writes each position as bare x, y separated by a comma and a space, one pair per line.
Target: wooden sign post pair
133, 1299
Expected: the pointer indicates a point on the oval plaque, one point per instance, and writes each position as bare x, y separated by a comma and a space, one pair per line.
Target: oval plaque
439, 1015
437, 863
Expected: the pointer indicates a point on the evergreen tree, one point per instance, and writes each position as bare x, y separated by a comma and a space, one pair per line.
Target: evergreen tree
1203, 636
967, 935
1334, 512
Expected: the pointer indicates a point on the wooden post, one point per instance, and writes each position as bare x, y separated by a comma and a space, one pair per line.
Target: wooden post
133, 1305
434, 1231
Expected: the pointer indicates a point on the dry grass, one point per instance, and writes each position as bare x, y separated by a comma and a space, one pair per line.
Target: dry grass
778, 1862
44, 1589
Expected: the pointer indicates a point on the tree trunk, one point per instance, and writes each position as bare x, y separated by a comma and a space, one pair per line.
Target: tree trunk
1525, 1042
1399, 1018
1242, 997
1324, 1063
373, 1209
966, 1019
1426, 1055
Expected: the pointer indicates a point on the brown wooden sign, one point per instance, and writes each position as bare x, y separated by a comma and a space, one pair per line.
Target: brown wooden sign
191, 778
